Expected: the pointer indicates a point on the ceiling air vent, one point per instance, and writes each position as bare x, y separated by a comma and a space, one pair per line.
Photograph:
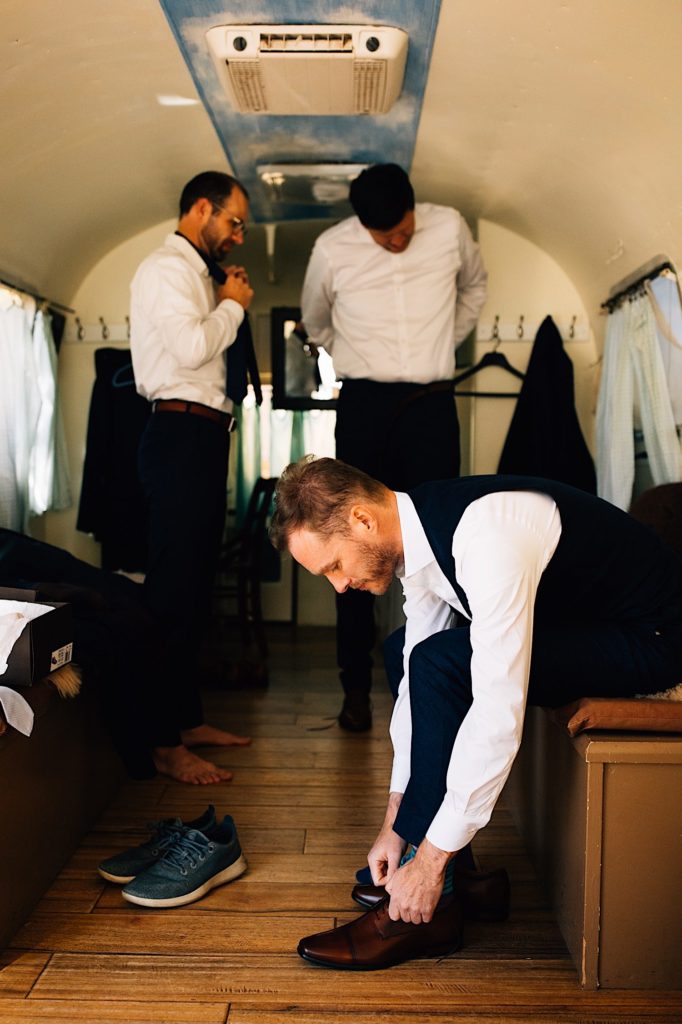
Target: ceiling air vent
309, 69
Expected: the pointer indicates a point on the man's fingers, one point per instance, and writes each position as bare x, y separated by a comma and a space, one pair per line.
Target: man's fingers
379, 874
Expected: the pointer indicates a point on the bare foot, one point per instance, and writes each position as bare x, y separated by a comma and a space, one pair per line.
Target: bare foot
184, 766
208, 736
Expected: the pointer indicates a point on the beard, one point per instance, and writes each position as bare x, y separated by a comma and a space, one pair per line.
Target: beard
379, 565
215, 243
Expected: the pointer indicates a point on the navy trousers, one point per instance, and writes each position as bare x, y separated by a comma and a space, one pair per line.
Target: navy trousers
403, 438
575, 660
182, 463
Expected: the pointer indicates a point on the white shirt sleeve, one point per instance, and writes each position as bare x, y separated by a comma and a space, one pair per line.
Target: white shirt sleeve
170, 302
317, 299
472, 284
501, 547
426, 613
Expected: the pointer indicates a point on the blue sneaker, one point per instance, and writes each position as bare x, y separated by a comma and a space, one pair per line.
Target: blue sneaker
191, 866
124, 866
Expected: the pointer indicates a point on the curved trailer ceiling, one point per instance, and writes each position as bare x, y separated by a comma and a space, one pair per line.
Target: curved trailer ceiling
558, 119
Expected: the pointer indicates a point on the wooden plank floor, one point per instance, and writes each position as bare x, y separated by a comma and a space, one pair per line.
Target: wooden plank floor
307, 800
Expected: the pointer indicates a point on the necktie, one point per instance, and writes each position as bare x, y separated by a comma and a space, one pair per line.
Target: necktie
241, 355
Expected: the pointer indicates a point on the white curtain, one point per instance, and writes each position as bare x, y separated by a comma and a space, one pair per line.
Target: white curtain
269, 439
33, 468
634, 390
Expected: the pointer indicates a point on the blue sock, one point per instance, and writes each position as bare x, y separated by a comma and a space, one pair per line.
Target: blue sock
448, 885
408, 855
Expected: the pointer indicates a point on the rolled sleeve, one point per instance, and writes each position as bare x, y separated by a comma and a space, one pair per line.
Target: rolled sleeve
192, 338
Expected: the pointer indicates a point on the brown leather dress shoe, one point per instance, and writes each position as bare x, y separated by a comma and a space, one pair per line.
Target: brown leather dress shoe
374, 941
484, 895
356, 713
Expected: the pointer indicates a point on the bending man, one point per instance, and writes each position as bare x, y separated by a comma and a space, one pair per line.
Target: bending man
563, 596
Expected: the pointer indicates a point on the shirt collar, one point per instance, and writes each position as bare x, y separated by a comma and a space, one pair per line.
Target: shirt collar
417, 551
190, 253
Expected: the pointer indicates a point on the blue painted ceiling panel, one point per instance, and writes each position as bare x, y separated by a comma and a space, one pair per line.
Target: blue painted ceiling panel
250, 140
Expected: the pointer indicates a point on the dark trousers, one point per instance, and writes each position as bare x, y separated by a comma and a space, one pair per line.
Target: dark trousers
402, 437
183, 468
576, 660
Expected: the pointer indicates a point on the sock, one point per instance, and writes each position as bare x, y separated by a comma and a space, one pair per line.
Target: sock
408, 855
449, 871
449, 877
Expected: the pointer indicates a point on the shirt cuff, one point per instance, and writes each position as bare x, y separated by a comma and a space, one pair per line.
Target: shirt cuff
400, 775
448, 831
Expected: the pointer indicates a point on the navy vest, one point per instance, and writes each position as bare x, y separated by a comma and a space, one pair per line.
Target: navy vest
606, 566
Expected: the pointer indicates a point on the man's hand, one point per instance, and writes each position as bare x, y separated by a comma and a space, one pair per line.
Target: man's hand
388, 848
416, 887
236, 287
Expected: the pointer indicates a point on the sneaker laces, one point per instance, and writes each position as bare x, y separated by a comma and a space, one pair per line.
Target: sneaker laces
164, 833
184, 848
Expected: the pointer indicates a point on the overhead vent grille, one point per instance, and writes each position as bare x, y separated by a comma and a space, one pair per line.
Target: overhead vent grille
306, 42
309, 69
248, 84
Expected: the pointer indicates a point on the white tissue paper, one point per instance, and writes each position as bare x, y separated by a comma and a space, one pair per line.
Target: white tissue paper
14, 617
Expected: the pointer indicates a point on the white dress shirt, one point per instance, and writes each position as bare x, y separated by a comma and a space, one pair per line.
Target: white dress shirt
386, 316
502, 545
178, 335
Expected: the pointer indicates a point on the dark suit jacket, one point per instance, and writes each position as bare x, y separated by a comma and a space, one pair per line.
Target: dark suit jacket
111, 502
544, 438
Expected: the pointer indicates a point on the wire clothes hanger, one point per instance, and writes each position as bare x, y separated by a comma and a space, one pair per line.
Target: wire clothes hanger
493, 358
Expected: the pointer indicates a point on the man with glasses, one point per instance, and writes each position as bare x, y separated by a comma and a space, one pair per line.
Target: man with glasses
390, 294
185, 315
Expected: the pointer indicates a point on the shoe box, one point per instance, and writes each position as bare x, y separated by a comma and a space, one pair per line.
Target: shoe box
45, 644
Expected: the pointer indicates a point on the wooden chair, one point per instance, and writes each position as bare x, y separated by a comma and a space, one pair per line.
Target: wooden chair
240, 566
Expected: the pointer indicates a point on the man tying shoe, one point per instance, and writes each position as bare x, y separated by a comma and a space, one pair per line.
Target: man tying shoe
563, 596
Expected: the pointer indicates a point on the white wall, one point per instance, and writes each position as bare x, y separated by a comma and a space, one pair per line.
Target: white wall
522, 280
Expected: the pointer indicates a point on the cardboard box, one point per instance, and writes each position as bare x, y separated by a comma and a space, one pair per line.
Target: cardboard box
45, 644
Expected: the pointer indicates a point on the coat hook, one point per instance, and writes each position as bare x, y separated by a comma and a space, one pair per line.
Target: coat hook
495, 333
105, 329
571, 329
80, 330
519, 329
128, 328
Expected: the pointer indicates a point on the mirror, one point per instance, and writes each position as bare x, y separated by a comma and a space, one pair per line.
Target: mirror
302, 377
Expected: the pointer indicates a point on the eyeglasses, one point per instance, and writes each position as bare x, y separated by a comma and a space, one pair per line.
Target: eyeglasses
238, 225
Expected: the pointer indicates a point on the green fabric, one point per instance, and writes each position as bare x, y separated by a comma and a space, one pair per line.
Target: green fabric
298, 436
248, 452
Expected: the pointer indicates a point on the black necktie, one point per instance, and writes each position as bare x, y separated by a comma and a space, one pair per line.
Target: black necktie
241, 355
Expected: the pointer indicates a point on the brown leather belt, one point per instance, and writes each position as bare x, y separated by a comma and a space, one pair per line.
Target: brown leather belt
196, 409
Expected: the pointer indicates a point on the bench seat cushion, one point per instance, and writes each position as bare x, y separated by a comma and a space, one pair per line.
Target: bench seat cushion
637, 715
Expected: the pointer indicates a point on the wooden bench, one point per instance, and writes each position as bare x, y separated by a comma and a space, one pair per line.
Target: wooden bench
601, 815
